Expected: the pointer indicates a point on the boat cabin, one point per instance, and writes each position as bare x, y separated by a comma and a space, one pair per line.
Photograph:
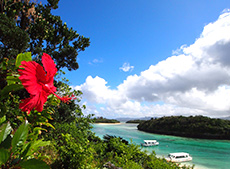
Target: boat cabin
150, 143
179, 157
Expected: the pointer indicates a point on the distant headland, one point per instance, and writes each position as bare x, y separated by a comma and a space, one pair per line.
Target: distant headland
105, 120
193, 127
135, 121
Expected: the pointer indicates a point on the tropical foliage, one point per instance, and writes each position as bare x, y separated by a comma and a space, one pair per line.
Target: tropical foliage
31, 26
193, 126
19, 149
60, 142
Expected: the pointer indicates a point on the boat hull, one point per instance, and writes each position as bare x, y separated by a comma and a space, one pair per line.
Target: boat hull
147, 145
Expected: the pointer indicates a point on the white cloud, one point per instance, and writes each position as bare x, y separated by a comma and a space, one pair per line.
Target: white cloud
195, 80
126, 67
95, 61
179, 51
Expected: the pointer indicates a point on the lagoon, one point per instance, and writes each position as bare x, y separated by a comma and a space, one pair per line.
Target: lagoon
207, 154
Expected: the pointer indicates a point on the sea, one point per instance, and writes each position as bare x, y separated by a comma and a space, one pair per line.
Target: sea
207, 154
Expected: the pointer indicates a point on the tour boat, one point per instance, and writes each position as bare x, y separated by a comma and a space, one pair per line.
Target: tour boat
148, 143
179, 157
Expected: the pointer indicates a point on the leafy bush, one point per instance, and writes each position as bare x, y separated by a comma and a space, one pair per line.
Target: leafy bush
117, 151
19, 148
72, 145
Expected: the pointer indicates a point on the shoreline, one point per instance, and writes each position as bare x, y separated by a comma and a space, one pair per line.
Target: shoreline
184, 135
106, 123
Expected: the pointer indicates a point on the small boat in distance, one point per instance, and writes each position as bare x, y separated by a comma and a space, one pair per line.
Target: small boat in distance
148, 143
178, 157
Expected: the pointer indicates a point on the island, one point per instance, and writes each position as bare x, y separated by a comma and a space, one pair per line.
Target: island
135, 121
192, 126
105, 120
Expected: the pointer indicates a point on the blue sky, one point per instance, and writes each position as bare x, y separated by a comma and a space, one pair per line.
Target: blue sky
143, 58
132, 31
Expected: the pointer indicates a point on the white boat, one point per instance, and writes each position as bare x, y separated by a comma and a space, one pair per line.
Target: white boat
179, 157
148, 143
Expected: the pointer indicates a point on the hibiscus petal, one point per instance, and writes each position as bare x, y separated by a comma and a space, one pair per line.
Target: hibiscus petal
29, 103
30, 76
50, 67
34, 101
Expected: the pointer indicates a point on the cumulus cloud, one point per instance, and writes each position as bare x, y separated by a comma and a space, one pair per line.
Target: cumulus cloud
126, 67
195, 80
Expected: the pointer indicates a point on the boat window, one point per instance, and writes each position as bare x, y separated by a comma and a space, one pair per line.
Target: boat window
180, 156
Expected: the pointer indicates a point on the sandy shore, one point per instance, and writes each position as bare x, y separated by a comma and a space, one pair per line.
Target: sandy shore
106, 123
196, 166
199, 167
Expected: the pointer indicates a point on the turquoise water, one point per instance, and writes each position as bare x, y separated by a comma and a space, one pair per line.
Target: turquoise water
207, 154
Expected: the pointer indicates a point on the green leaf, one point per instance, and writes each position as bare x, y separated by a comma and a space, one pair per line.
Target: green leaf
2, 120
6, 143
12, 79
13, 87
5, 130
3, 65
23, 57
34, 164
26, 151
34, 146
20, 136
4, 156
39, 143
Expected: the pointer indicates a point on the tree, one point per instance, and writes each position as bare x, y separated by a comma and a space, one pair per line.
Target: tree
37, 30
29, 26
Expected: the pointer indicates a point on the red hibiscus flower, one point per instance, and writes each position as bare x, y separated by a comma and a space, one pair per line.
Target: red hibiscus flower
39, 83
